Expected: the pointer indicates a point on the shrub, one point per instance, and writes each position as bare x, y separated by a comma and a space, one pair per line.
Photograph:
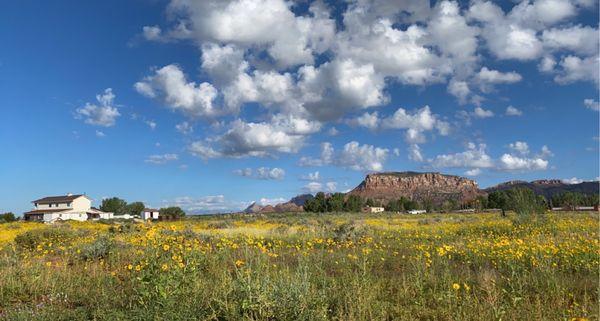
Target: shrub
31, 239
99, 249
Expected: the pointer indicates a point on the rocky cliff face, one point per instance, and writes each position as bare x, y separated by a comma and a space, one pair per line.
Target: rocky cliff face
417, 186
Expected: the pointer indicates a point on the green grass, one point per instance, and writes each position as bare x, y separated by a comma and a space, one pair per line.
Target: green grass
305, 267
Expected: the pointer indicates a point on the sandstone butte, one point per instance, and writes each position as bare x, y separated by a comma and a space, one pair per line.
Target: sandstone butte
417, 186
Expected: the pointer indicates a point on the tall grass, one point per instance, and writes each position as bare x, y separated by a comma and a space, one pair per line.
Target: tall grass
305, 267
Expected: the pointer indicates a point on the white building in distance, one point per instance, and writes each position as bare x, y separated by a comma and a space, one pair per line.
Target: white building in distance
66, 207
150, 214
374, 209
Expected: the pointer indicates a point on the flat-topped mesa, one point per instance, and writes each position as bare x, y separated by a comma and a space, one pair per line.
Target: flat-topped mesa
417, 186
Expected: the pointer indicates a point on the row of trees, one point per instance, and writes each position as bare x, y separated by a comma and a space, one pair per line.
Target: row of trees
7, 217
520, 200
335, 202
120, 207
570, 200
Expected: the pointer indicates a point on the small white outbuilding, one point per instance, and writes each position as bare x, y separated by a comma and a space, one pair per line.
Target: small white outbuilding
150, 214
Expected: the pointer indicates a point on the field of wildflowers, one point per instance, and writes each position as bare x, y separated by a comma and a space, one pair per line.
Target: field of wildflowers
304, 267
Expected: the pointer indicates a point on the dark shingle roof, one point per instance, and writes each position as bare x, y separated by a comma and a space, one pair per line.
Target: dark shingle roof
57, 199
47, 211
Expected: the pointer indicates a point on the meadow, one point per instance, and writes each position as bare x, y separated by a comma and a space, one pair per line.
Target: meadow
345, 266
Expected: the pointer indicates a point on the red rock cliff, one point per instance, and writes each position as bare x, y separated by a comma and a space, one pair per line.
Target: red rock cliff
417, 186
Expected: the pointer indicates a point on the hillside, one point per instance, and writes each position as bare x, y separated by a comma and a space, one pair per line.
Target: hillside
548, 187
417, 186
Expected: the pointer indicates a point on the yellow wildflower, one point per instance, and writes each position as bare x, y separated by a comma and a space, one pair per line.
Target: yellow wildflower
456, 286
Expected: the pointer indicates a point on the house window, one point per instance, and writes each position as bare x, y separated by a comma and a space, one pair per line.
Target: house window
68, 204
50, 205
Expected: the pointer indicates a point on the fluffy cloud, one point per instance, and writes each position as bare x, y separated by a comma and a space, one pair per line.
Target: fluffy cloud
473, 172
258, 139
573, 68
161, 159
202, 150
572, 180
104, 113
331, 186
414, 153
591, 104
264, 173
206, 204
271, 201
338, 87
510, 162
578, 39
520, 147
100, 133
488, 76
312, 176
252, 23
482, 113
313, 187
171, 86
326, 158
184, 128
362, 157
474, 157
353, 156
416, 123
367, 120
152, 124
513, 111
324, 64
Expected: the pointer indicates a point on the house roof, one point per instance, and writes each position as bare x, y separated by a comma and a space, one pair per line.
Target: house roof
150, 210
48, 211
58, 199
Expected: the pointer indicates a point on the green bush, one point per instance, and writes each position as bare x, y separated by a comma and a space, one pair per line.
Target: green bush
31, 239
99, 249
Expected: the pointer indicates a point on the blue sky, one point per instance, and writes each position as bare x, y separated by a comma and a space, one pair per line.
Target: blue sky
212, 105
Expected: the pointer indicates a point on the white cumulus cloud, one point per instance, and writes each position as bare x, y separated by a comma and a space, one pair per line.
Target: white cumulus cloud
104, 113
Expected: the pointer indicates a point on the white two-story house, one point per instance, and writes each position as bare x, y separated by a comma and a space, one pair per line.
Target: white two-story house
67, 207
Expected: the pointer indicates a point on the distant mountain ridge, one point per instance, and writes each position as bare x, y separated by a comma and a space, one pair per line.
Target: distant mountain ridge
431, 186
549, 187
293, 205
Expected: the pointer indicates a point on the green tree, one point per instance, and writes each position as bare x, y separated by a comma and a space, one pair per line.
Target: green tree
428, 205
395, 205
335, 203
498, 199
524, 202
7, 217
135, 208
353, 204
114, 205
172, 212
482, 202
410, 205
370, 202
316, 205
